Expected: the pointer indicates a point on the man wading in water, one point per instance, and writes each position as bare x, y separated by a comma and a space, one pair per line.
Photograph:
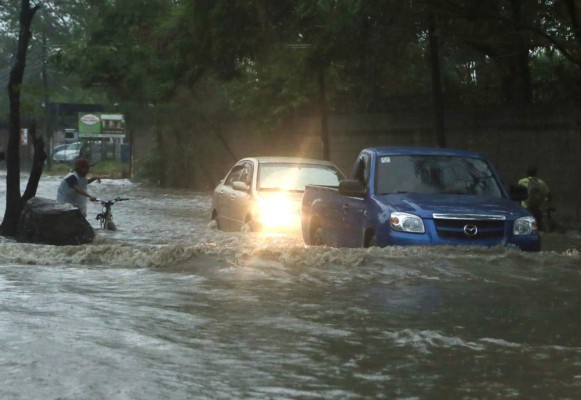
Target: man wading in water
538, 197
73, 188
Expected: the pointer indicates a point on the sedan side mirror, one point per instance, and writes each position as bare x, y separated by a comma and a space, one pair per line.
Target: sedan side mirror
518, 192
351, 188
241, 186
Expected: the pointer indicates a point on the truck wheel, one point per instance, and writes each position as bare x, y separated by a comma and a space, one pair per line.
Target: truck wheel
370, 239
317, 237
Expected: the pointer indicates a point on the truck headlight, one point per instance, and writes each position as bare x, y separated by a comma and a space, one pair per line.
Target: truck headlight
524, 226
406, 222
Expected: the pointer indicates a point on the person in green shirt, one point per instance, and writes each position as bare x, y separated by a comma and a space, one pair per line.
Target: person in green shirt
538, 195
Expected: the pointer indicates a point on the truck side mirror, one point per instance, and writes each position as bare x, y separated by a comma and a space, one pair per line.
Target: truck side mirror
351, 188
518, 192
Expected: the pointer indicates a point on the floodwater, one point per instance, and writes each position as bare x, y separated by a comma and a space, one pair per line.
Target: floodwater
169, 308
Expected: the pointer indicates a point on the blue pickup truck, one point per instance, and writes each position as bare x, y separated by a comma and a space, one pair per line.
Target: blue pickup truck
418, 196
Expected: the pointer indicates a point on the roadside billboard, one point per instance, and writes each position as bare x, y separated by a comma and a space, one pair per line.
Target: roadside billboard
101, 126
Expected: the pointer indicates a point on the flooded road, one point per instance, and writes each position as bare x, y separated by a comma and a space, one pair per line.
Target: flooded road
169, 308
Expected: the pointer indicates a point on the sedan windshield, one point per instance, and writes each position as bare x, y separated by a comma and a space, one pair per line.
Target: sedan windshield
435, 174
294, 177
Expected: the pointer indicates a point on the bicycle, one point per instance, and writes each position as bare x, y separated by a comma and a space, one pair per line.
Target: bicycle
106, 216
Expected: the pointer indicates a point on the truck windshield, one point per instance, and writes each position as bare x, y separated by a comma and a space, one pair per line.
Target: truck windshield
435, 174
295, 177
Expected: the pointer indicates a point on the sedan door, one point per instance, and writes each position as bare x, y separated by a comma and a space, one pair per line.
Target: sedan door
225, 195
241, 203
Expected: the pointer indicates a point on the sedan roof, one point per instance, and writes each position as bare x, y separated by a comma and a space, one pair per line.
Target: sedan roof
290, 160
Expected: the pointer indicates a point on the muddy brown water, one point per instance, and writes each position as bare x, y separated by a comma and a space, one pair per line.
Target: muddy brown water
169, 308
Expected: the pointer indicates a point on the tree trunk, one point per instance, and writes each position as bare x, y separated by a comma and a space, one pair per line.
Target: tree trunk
37, 165
324, 110
437, 94
14, 201
262, 17
517, 84
572, 8
161, 163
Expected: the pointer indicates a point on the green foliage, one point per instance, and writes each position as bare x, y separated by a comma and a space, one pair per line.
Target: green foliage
115, 48
148, 168
187, 137
260, 60
555, 79
269, 90
110, 169
54, 26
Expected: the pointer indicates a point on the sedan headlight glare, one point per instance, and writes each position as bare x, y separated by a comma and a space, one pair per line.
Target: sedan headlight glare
524, 226
405, 222
277, 211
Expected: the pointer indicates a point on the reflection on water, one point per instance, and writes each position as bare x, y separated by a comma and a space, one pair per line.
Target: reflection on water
168, 307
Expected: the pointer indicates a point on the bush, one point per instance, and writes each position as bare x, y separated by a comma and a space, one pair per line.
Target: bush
111, 169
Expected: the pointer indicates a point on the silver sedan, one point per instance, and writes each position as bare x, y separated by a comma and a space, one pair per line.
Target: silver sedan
265, 193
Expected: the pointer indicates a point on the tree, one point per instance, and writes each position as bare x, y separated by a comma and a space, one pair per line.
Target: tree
270, 61
437, 95
14, 201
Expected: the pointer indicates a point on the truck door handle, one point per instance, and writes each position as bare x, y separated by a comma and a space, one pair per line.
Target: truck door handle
345, 207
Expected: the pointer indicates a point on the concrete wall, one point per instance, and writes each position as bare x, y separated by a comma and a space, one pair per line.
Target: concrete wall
549, 137
511, 138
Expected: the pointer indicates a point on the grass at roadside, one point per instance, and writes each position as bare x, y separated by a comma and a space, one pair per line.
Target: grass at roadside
105, 169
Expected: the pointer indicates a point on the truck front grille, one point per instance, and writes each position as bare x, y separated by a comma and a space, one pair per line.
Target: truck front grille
469, 226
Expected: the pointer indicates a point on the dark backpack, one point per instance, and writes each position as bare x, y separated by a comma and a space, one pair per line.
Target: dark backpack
536, 196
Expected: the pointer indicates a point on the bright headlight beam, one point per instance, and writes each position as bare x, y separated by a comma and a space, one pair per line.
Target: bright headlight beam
278, 211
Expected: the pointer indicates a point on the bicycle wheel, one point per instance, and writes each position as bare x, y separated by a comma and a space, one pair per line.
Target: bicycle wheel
110, 225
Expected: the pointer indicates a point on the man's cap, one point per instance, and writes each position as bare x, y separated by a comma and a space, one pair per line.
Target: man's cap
83, 162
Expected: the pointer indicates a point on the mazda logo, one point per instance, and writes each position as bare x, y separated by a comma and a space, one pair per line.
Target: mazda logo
470, 230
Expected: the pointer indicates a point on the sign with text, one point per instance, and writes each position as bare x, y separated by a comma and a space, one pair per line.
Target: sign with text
101, 125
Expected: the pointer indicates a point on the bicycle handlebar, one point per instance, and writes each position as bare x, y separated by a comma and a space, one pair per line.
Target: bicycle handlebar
111, 202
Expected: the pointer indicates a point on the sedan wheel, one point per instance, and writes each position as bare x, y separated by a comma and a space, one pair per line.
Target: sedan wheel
214, 222
246, 228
